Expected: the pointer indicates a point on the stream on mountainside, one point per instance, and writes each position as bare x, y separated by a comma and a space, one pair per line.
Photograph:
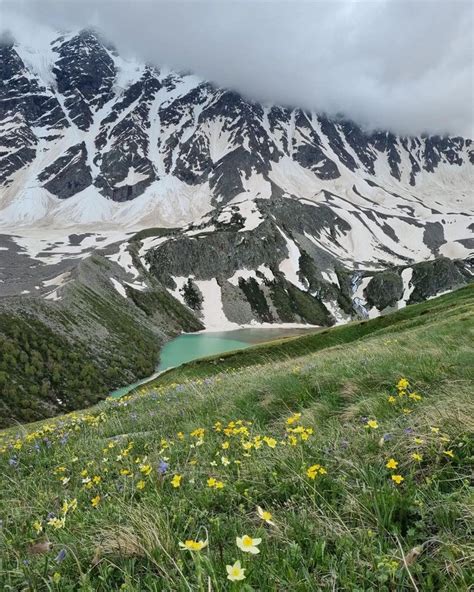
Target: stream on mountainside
192, 346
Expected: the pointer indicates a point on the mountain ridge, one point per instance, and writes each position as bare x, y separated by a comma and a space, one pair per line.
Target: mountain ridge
123, 130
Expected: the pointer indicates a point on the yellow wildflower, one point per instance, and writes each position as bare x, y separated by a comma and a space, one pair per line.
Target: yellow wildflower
190, 545
235, 573
397, 479
141, 484
248, 545
403, 384
293, 419
145, 469
214, 484
372, 423
176, 481
449, 453
313, 470
417, 457
271, 442
198, 433
37, 526
57, 522
265, 515
95, 501
392, 464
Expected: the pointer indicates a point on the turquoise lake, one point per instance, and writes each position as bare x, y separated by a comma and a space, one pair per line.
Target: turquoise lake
192, 346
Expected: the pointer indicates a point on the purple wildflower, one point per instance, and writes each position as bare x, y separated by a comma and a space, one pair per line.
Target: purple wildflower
162, 467
61, 556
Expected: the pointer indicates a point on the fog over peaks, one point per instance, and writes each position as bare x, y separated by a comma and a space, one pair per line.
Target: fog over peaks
402, 65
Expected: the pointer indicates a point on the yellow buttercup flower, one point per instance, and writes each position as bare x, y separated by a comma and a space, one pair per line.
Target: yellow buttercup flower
214, 484
248, 545
271, 442
190, 545
176, 481
392, 464
403, 384
37, 526
417, 457
198, 433
372, 423
265, 515
95, 501
69, 506
145, 469
141, 484
293, 419
235, 573
397, 479
391, 399
313, 471
449, 453
57, 522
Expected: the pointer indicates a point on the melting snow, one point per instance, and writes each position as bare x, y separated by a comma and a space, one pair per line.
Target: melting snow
119, 287
290, 267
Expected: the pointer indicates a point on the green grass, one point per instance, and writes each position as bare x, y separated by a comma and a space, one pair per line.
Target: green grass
350, 529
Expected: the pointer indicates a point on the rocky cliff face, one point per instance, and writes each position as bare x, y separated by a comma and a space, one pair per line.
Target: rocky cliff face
79, 121
282, 215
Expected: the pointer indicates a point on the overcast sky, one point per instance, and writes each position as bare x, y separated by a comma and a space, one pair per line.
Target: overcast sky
404, 65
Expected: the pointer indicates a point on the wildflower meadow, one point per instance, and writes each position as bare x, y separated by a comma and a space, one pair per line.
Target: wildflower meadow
344, 469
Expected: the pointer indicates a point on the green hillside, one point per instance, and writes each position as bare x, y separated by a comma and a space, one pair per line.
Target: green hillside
348, 452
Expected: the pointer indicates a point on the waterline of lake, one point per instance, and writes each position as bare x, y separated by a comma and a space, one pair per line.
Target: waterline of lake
193, 346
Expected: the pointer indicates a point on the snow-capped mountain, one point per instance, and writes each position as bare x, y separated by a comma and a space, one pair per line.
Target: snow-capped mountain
267, 199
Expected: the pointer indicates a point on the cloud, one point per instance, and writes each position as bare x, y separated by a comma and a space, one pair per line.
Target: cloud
403, 65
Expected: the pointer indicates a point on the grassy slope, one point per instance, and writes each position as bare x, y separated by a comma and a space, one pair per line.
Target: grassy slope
298, 346
350, 529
